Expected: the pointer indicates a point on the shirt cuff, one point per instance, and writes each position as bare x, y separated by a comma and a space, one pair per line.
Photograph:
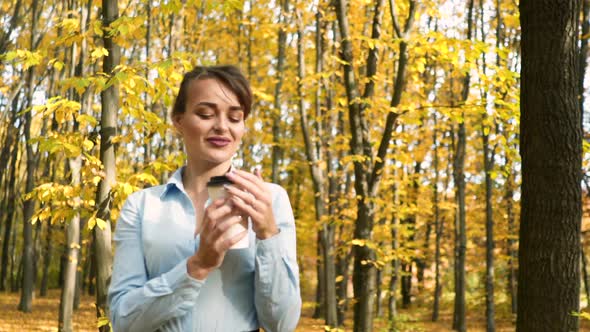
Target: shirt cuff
270, 249
178, 277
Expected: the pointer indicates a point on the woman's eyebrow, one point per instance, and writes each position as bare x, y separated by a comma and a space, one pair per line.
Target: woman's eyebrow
214, 106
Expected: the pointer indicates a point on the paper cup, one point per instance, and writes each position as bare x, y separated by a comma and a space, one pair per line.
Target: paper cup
216, 191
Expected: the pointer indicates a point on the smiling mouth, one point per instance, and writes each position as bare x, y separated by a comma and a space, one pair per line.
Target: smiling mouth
218, 142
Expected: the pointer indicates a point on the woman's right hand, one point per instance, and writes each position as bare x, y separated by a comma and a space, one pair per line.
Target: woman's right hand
214, 243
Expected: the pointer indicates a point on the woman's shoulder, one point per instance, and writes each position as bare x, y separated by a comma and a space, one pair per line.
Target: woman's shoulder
279, 195
148, 192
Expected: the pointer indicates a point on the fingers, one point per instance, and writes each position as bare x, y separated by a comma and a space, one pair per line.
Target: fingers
225, 235
247, 180
250, 183
244, 196
225, 225
219, 209
252, 209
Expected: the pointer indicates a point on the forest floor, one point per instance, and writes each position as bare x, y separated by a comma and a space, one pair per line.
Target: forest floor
45, 315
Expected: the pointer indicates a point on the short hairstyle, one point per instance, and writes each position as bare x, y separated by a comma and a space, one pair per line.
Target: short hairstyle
229, 75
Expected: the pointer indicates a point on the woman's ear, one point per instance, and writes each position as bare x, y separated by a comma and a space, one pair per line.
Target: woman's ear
176, 122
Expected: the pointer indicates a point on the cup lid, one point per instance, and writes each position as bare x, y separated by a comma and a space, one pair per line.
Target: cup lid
218, 181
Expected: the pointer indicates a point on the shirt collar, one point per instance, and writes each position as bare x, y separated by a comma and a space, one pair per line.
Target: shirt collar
175, 181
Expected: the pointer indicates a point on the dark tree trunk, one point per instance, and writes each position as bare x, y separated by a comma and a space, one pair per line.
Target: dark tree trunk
46, 259
26, 299
459, 322
320, 292
551, 151
14, 277
7, 250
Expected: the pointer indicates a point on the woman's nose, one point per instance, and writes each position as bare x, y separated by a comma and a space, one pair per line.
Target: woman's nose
220, 123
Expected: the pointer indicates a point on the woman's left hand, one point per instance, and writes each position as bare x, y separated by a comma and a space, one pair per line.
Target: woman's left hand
252, 196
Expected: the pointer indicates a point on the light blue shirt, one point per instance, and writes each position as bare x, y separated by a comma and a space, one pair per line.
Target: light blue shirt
151, 290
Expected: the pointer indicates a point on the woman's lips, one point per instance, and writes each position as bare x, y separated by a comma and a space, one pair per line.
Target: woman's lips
218, 141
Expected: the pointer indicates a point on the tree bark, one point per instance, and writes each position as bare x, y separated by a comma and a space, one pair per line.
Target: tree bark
438, 225
108, 129
510, 242
459, 178
10, 200
276, 121
26, 299
551, 151
66, 307
488, 166
395, 263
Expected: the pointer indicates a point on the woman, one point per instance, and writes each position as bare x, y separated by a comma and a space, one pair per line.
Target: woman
173, 269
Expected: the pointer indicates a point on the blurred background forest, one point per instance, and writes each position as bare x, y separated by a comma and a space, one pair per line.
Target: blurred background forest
393, 125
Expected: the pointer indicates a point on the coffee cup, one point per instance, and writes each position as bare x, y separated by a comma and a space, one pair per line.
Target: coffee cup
216, 190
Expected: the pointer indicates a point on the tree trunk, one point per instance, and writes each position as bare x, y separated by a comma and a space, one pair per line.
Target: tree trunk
551, 151
46, 259
488, 166
395, 263
510, 242
108, 129
66, 307
9, 199
585, 276
459, 177
7, 250
437, 223
320, 296
276, 121
26, 299
14, 280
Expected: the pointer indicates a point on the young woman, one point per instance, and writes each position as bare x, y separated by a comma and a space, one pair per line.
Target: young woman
173, 268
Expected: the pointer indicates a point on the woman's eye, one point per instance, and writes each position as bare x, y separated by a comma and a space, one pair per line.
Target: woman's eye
205, 115
235, 119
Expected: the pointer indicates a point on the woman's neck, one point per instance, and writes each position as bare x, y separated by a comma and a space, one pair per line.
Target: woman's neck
196, 175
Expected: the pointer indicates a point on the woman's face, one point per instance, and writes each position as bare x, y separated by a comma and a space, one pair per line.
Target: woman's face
212, 124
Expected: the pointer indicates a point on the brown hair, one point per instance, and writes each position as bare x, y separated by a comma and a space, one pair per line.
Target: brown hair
229, 75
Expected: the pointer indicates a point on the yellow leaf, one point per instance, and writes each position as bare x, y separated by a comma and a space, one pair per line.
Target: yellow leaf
91, 223
339, 278
88, 145
99, 52
357, 242
96, 180
101, 223
102, 321
58, 65
87, 119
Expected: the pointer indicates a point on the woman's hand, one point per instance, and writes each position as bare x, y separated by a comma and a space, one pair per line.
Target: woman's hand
252, 196
218, 219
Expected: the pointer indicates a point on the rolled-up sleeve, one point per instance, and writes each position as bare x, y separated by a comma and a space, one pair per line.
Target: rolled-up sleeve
277, 295
136, 303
